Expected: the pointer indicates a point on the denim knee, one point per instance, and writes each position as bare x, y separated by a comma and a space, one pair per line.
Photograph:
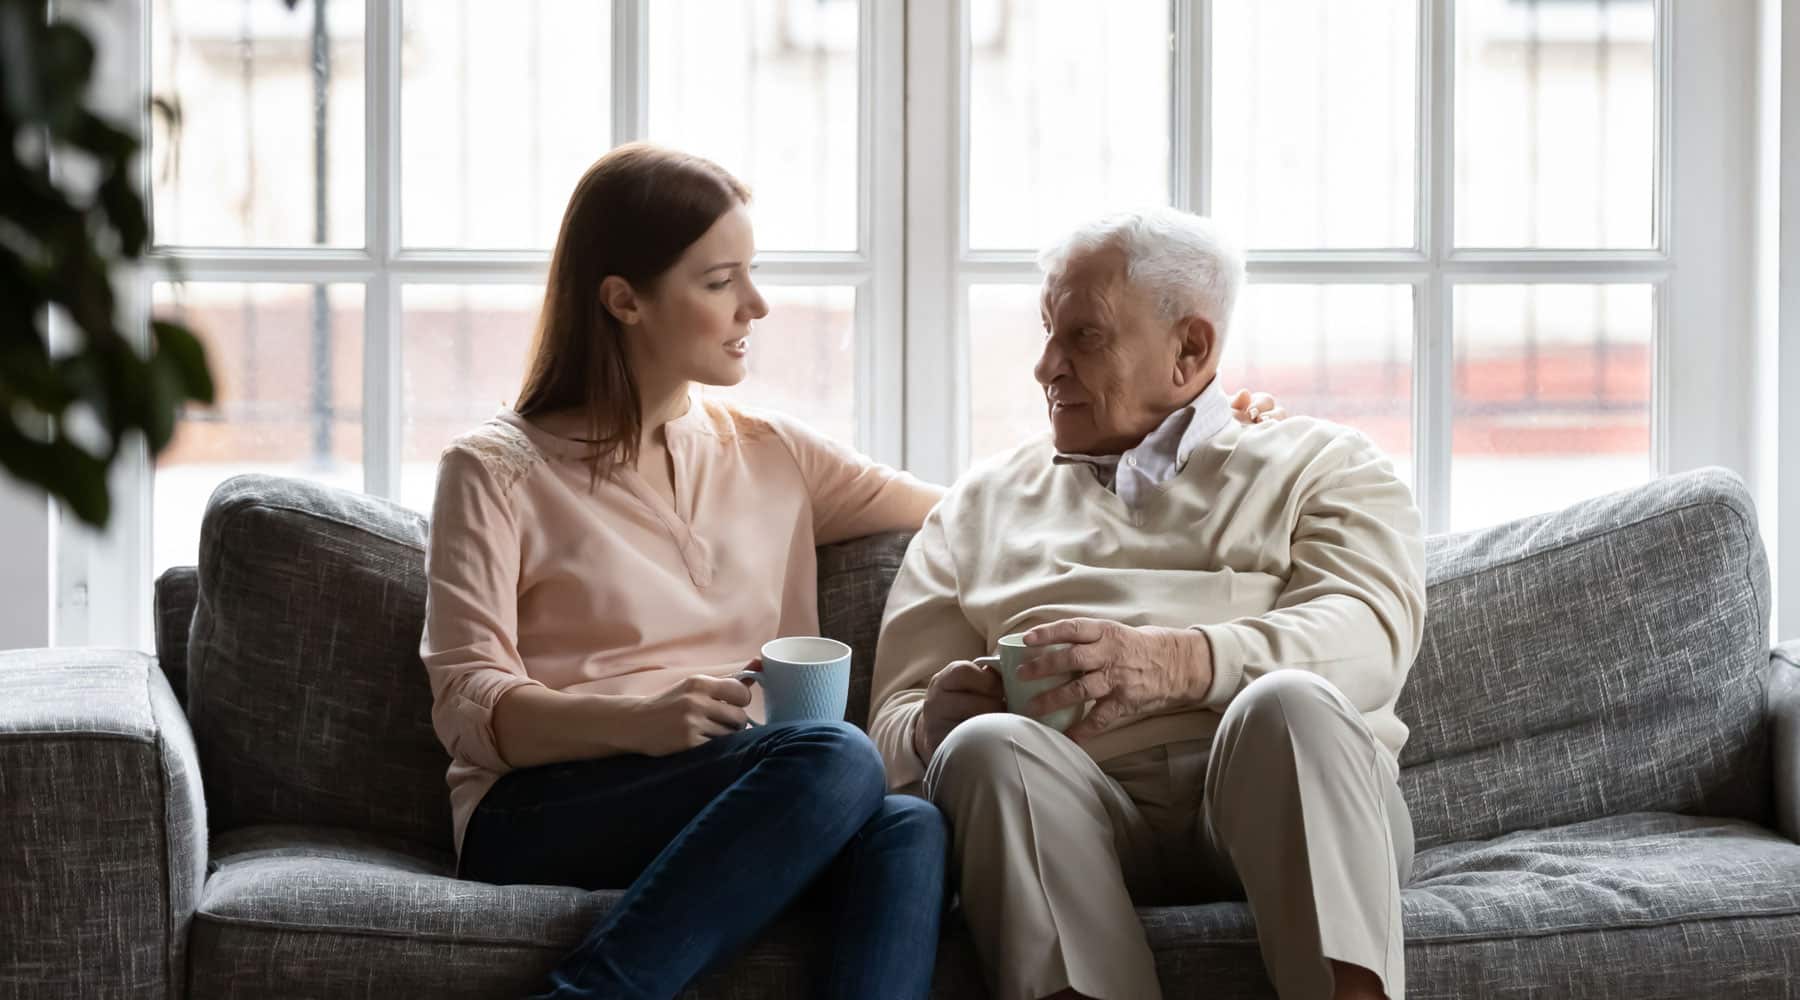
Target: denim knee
913, 822
842, 763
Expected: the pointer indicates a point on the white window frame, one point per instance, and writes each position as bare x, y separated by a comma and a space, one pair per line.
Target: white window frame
1697, 269
104, 593
912, 267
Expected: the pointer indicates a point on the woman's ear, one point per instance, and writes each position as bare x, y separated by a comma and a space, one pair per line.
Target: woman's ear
618, 297
1197, 353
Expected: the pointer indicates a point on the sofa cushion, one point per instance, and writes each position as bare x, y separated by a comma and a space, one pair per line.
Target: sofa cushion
854, 578
1651, 905
1605, 659
305, 690
172, 602
352, 914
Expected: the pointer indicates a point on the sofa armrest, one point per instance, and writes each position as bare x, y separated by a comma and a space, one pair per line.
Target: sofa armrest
1784, 711
104, 820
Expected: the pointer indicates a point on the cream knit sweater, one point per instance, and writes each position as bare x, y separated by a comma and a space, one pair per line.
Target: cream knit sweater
1292, 546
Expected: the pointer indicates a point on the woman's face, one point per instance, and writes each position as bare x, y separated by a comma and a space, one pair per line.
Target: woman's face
695, 325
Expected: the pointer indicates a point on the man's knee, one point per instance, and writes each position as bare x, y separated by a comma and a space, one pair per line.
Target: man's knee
1287, 700
978, 753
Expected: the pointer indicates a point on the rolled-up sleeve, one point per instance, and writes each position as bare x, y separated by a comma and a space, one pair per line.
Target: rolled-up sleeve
1353, 609
470, 643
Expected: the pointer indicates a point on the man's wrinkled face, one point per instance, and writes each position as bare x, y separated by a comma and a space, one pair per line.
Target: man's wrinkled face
1108, 356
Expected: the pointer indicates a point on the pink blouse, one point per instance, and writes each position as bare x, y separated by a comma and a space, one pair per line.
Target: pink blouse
533, 579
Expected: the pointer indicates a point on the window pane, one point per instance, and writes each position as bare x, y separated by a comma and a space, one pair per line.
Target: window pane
287, 367
1340, 352
768, 89
1068, 115
803, 359
262, 140
1555, 123
1313, 122
1006, 335
1552, 397
464, 349
502, 106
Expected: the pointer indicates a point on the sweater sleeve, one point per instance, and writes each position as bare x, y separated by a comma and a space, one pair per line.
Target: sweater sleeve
470, 644
851, 495
1353, 609
923, 630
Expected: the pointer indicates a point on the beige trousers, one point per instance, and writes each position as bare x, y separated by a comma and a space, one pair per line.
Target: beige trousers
1292, 805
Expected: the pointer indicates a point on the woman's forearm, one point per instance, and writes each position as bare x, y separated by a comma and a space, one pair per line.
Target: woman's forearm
538, 725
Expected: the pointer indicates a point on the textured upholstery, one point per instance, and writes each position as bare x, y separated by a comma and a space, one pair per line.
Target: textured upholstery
1601, 741
102, 827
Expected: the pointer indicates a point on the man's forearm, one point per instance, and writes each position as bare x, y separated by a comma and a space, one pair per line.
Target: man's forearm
894, 730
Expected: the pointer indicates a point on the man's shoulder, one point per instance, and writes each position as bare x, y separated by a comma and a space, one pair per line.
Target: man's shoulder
1300, 440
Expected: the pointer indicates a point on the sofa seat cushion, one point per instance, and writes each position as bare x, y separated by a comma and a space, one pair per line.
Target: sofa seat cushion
1639, 870
1654, 904
312, 911
1643, 905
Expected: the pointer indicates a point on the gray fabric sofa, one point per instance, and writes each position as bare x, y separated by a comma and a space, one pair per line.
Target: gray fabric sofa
1604, 774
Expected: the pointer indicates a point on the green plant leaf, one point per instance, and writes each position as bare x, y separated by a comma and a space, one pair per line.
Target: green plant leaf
111, 145
65, 64
125, 210
63, 469
187, 354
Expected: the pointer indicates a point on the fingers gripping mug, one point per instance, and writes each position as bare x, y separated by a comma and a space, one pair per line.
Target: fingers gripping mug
1014, 653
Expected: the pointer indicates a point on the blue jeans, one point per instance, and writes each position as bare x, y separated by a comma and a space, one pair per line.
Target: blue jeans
714, 842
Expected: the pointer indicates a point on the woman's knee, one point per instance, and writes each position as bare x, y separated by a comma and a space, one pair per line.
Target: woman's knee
840, 759
912, 821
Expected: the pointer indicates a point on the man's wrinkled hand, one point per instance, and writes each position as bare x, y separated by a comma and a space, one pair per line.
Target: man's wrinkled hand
958, 692
1125, 671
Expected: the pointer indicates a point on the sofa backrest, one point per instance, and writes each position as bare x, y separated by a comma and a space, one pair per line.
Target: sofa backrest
1600, 660
305, 691
1605, 659
294, 647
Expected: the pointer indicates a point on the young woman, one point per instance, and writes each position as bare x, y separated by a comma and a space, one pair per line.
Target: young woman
603, 556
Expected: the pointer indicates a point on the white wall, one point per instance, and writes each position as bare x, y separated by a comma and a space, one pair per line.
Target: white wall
26, 575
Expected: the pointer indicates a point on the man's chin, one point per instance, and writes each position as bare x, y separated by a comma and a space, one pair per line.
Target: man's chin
1070, 443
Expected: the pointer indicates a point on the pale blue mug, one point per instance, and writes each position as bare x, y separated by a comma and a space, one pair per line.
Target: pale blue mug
805, 678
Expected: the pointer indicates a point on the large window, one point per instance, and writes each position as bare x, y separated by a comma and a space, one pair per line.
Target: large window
354, 203
1496, 235
1451, 209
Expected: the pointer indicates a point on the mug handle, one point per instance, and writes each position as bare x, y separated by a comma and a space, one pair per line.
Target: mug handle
749, 677
990, 662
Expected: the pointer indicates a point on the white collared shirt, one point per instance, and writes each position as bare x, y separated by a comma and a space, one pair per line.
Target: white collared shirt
1164, 451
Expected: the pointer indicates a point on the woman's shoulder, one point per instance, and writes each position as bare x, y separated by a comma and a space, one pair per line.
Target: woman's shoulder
497, 447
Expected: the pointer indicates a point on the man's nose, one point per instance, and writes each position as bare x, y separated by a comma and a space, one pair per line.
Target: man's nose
1051, 364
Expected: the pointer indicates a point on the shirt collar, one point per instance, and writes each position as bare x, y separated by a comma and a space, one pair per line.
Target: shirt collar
1170, 444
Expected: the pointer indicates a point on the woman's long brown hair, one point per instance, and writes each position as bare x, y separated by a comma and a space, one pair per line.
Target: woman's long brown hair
633, 214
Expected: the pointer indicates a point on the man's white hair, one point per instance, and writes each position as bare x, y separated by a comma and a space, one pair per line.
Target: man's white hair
1180, 258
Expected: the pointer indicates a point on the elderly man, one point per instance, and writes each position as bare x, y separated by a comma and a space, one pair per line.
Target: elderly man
1242, 603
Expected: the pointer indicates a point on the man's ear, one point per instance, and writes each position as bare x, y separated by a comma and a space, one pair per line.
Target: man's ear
618, 297
1197, 352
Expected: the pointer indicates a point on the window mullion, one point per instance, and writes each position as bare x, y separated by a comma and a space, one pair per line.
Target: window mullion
382, 361
1433, 337
937, 364
1188, 131
630, 71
